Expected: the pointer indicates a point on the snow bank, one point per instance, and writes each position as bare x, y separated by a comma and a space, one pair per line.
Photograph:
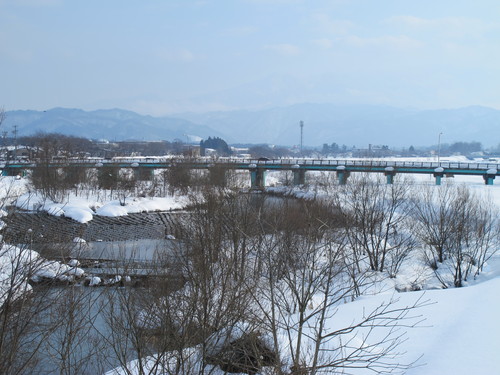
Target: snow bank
54, 270
135, 205
11, 188
112, 209
80, 214
19, 265
15, 265
81, 209
94, 281
76, 208
461, 333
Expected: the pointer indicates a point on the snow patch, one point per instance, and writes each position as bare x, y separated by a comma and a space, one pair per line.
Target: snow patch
81, 210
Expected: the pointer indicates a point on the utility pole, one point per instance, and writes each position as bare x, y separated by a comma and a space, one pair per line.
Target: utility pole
439, 146
301, 137
15, 141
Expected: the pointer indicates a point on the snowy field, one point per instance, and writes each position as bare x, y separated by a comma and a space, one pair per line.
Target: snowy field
463, 330
460, 333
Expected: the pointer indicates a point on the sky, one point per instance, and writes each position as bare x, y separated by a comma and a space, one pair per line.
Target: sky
160, 57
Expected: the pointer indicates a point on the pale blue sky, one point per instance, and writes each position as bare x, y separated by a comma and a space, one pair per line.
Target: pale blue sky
159, 57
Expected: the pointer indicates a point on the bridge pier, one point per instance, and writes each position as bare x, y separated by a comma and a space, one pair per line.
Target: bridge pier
390, 178
389, 174
107, 177
488, 180
342, 175
258, 178
490, 176
217, 176
299, 177
143, 174
6, 171
438, 175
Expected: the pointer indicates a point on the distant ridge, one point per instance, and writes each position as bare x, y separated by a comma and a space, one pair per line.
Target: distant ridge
110, 124
357, 125
352, 125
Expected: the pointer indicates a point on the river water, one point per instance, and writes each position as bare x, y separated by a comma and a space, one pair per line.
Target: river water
134, 250
80, 337
85, 319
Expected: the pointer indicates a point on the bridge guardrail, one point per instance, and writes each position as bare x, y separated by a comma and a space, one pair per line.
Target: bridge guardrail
288, 162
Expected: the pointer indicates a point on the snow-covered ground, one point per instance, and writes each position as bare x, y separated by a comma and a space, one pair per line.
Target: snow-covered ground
84, 209
19, 265
461, 333
460, 330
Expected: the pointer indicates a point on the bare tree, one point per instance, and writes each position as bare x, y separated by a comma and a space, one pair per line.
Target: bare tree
53, 176
303, 282
178, 177
73, 346
433, 212
74, 176
278, 270
159, 325
459, 230
475, 235
108, 177
126, 185
376, 217
22, 333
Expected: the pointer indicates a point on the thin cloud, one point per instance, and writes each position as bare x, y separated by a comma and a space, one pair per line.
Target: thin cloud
183, 55
446, 26
326, 24
323, 43
164, 107
284, 49
411, 21
388, 41
240, 31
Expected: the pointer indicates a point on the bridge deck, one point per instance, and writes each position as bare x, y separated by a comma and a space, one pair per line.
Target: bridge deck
456, 168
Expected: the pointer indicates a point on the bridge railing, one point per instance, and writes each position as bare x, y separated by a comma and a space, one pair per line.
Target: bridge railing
285, 162
375, 163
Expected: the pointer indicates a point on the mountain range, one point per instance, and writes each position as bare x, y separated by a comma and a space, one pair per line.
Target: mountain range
109, 124
357, 125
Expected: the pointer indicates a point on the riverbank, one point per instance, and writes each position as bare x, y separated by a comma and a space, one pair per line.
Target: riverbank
41, 227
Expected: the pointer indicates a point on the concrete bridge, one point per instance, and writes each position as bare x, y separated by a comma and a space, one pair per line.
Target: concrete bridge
299, 167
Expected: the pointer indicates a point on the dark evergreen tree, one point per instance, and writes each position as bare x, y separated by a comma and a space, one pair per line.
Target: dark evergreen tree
217, 144
465, 147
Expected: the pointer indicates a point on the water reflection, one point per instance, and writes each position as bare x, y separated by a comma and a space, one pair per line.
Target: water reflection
76, 340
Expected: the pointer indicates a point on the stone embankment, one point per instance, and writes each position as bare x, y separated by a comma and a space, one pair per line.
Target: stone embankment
23, 227
59, 238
